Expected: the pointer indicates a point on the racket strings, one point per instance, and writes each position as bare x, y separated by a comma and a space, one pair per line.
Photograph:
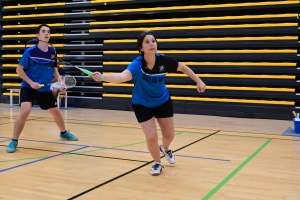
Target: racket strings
70, 81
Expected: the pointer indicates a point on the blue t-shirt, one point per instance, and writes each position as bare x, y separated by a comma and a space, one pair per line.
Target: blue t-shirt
40, 68
149, 85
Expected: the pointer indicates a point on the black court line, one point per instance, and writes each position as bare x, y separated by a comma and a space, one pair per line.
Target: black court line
14, 122
126, 173
8, 117
82, 154
5, 123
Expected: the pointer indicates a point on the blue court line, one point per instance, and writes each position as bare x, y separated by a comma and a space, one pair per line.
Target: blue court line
139, 151
17, 166
218, 159
81, 145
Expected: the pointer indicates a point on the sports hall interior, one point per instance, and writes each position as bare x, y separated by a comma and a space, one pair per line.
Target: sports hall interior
236, 140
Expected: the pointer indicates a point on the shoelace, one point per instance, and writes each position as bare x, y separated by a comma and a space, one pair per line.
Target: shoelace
13, 143
67, 134
169, 152
156, 166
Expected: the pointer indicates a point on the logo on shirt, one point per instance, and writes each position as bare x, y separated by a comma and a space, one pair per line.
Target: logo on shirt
161, 68
152, 79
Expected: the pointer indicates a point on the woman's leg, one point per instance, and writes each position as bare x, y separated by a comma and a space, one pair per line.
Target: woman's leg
167, 130
149, 129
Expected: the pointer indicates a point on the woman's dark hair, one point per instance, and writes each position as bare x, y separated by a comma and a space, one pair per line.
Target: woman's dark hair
140, 39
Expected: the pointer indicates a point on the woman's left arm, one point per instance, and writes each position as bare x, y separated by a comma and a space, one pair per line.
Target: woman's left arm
186, 70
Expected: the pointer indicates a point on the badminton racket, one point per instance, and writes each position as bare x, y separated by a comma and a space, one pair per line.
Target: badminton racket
51, 61
69, 81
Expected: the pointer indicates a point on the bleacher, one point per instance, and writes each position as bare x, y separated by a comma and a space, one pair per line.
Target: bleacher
246, 53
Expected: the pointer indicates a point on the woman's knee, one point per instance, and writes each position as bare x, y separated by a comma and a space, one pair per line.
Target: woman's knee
152, 137
168, 135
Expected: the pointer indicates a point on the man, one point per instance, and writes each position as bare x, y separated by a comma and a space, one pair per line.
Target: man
36, 74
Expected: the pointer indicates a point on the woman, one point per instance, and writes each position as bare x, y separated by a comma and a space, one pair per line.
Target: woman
150, 96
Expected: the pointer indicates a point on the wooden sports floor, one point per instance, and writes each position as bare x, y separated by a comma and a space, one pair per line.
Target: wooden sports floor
218, 158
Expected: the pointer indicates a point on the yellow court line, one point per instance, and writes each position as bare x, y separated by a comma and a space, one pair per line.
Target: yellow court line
217, 76
30, 35
236, 76
23, 45
15, 94
34, 5
57, 4
208, 39
209, 51
33, 15
30, 25
20, 55
196, 7
11, 84
256, 76
210, 87
285, 64
12, 75
191, 19
194, 27
213, 99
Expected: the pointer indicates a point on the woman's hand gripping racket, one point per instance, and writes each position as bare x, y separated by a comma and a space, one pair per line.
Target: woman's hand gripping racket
97, 76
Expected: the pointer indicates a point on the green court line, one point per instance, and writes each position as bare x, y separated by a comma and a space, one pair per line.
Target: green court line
23, 159
234, 172
125, 145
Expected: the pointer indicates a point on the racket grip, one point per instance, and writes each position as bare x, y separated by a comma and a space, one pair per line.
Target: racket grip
41, 85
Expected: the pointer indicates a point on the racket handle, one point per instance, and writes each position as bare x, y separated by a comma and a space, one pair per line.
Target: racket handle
41, 85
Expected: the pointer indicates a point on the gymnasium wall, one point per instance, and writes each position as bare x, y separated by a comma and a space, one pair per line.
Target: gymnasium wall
246, 53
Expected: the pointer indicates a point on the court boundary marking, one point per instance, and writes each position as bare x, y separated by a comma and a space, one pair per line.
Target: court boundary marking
136, 124
213, 191
48, 157
99, 148
235, 171
255, 135
126, 173
53, 151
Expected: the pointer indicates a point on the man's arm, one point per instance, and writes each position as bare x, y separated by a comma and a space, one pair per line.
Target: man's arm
20, 71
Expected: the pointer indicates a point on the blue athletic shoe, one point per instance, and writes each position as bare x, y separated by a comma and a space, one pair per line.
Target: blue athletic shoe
68, 136
12, 147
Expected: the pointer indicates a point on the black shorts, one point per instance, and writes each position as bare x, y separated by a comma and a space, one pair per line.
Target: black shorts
45, 100
144, 113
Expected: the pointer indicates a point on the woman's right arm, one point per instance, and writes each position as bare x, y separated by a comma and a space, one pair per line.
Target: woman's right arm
113, 78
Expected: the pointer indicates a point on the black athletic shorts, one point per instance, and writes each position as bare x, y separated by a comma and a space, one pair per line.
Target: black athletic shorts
144, 113
45, 100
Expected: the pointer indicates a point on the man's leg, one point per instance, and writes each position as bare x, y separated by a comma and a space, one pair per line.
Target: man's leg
26, 104
21, 119
61, 125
